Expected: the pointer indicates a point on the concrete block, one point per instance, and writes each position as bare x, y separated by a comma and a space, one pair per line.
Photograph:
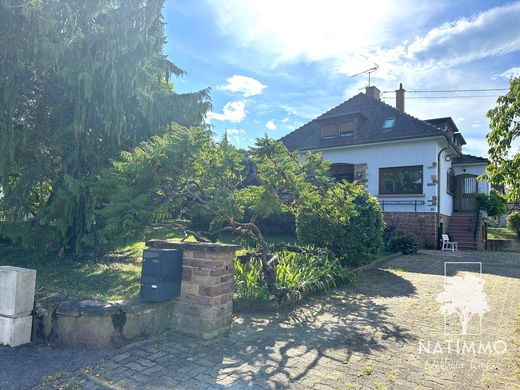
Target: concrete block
15, 331
16, 291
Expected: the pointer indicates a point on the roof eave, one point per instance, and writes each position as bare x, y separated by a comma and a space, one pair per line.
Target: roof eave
425, 136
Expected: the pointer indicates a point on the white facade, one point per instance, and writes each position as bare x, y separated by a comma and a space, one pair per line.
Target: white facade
421, 151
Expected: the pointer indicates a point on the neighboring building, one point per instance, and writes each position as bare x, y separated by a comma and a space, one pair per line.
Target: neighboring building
415, 167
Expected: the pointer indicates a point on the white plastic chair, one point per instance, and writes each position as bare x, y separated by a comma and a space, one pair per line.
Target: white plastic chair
448, 245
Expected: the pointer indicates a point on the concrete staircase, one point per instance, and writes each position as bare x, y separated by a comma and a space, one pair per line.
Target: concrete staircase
461, 228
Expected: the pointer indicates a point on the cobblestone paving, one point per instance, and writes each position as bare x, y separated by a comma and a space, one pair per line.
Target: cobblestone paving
366, 336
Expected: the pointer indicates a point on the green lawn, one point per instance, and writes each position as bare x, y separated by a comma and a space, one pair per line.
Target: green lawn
501, 234
111, 277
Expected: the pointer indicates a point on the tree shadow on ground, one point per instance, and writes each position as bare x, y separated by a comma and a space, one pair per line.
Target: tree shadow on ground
493, 263
278, 349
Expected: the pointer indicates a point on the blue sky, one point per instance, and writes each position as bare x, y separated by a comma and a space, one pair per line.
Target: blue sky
274, 65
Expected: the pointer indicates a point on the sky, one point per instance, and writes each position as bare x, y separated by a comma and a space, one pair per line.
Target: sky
273, 66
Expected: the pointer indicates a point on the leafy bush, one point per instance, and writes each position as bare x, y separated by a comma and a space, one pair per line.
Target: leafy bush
404, 242
513, 222
346, 220
495, 204
300, 273
279, 223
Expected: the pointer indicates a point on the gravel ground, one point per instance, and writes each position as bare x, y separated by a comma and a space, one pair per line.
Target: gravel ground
24, 367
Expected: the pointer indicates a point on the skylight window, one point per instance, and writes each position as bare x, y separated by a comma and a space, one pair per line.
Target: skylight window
389, 123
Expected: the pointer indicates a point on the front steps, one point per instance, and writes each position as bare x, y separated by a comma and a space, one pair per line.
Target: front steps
460, 229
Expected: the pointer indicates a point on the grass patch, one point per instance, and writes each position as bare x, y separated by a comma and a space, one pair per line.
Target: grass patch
61, 381
383, 253
501, 234
111, 277
366, 370
105, 278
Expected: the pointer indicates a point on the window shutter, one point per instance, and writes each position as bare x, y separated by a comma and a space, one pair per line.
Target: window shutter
329, 131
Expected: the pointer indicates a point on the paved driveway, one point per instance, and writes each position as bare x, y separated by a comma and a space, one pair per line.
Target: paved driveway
385, 332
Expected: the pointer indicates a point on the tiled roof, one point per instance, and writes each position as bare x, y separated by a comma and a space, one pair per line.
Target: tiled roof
469, 159
371, 114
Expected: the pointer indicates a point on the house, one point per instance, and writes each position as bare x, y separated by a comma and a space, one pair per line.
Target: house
414, 167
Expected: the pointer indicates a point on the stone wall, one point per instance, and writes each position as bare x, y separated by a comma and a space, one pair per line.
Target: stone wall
503, 245
423, 225
204, 308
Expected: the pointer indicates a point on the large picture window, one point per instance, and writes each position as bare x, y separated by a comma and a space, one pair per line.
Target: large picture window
401, 180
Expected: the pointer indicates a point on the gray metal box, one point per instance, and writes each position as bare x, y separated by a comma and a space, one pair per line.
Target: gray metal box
161, 274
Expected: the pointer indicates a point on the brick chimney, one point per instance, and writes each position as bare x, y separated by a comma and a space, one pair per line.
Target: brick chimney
373, 92
399, 98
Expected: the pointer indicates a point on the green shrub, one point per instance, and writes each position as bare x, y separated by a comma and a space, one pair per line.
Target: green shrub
404, 242
300, 273
248, 282
513, 222
495, 204
346, 220
279, 223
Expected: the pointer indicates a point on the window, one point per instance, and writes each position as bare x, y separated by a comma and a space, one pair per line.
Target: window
328, 132
346, 129
401, 180
388, 123
452, 183
342, 172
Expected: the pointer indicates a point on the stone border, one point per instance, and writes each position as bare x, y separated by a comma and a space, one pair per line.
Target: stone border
502, 245
377, 263
94, 324
193, 246
204, 308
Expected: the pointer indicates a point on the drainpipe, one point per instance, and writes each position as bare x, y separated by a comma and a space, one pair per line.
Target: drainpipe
439, 192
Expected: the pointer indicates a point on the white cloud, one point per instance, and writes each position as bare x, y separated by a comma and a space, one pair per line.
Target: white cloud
235, 131
476, 146
329, 31
511, 72
270, 125
291, 29
233, 112
248, 86
285, 120
490, 33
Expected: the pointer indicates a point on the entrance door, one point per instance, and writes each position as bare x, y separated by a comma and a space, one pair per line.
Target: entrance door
466, 190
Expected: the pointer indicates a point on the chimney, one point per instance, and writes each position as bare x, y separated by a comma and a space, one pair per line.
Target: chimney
399, 98
373, 92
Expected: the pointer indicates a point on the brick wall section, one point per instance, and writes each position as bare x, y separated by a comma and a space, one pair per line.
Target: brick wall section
206, 302
423, 225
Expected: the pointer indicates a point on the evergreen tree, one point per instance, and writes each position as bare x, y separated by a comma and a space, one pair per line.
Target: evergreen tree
80, 81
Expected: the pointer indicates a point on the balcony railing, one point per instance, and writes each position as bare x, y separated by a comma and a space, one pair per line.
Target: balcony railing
413, 203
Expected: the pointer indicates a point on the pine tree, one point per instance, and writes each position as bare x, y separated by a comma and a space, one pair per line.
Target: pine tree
80, 81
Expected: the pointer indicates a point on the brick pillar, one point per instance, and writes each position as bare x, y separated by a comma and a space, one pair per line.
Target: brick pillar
205, 307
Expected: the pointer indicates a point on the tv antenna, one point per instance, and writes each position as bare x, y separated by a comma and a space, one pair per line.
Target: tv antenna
368, 71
